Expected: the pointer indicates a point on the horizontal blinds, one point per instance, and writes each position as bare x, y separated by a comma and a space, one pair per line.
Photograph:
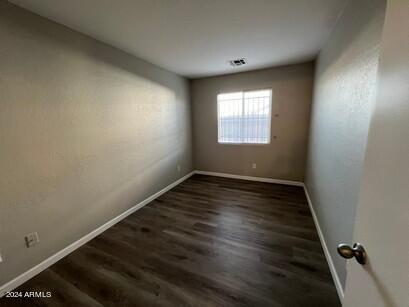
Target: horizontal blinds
244, 117
230, 117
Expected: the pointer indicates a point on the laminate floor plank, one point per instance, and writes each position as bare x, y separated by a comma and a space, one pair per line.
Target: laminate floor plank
210, 241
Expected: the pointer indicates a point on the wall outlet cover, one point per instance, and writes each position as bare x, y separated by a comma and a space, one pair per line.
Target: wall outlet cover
32, 239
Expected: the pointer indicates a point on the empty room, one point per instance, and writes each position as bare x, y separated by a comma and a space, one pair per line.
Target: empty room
204, 153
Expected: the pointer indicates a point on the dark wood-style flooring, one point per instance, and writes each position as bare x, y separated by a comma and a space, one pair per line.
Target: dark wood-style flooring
208, 242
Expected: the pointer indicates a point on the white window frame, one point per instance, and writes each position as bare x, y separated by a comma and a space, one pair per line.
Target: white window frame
269, 117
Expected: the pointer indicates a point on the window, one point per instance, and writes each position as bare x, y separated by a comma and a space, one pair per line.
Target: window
244, 117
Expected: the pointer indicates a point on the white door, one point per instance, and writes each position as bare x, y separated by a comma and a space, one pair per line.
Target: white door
382, 220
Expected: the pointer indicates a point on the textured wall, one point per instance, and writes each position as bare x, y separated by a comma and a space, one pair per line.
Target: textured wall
382, 218
284, 157
86, 132
345, 84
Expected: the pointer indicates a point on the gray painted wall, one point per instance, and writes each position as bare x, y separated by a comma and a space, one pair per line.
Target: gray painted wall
284, 157
86, 132
345, 84
382, 218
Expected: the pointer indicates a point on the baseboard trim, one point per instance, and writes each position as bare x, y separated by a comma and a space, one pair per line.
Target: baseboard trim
261, 179
19, 280
332, 269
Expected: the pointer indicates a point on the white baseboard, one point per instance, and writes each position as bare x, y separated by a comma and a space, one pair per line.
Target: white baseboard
19, 280
332, 269
261, 179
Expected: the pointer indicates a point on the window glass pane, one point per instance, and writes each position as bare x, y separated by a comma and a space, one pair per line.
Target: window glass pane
256, 117
230, 110
244, 117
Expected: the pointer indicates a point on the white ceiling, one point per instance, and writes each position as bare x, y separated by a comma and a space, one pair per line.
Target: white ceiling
197, 38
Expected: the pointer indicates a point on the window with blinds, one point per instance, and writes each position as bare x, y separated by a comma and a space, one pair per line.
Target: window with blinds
244, 117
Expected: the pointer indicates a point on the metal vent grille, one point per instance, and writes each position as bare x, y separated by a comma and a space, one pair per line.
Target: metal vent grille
238, 62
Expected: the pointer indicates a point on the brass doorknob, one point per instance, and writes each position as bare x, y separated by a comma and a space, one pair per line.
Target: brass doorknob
357, 251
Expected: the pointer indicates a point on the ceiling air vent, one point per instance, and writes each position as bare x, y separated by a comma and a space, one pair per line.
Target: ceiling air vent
238, 62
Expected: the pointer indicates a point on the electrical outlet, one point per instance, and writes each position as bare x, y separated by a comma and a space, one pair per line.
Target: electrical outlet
1, 258
254, 165
178, 168
32, 239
